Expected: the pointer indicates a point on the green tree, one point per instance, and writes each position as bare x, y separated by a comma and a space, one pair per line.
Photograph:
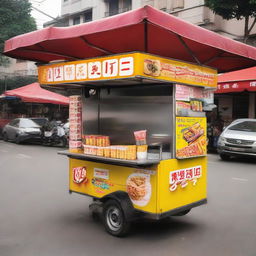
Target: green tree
9, 83
238, 9
15, 19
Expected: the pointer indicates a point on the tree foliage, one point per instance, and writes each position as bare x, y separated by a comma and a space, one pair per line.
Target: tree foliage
235, 9
9, 83
15, 19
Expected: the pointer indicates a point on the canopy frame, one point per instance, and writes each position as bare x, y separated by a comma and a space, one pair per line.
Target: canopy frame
144, 30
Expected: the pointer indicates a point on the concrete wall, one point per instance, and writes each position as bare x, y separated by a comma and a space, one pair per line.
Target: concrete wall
72, 6
234, 27
18, 68
25, 68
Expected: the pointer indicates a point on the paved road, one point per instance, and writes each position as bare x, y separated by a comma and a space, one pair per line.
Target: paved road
39, 218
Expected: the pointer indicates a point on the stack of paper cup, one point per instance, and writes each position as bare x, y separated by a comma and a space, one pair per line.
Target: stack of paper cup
75, 123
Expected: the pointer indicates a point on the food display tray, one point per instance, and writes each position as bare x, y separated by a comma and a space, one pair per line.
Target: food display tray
114, 161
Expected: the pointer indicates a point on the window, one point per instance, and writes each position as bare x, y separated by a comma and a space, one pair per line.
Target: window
15, 122
118, 6
246, 126
28, 123
127, 5
76, 20
88, 15
113, 7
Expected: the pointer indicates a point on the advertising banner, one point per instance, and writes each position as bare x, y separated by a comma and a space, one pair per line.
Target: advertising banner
130, 65
180, 72
191, 140
104, 68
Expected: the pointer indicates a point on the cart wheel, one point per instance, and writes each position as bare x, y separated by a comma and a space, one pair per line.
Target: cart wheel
114, 219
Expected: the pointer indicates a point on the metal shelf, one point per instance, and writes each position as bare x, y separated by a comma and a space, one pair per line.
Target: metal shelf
114, 161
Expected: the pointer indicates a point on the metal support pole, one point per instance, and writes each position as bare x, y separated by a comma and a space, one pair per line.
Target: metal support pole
145, 36
5, 83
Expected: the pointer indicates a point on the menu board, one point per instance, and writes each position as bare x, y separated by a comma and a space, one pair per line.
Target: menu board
191, 140
190, 100
183, 92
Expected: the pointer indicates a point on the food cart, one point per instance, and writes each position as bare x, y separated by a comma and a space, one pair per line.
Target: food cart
138, 129
105, 162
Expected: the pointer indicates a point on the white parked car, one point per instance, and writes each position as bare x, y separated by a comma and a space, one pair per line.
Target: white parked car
238, 139
21, 130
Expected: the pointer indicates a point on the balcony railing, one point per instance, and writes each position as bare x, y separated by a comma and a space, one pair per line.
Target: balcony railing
120, 10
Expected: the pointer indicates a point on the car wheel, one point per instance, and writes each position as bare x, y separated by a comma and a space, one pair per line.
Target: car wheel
224, 157
5, 137
17, 140
114, 219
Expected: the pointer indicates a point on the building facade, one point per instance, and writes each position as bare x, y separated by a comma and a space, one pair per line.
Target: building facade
18, 68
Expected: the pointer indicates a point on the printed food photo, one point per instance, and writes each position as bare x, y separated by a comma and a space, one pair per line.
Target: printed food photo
139, 188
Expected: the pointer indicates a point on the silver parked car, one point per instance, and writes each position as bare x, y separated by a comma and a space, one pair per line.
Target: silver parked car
22, 129
238, 139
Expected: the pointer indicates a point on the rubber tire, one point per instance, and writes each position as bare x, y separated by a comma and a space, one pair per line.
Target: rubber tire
63, 143
224, 157
124, 224
45, 143
5, 137
17, 140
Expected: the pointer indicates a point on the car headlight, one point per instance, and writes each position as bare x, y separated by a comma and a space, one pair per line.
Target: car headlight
221, 141
21, 132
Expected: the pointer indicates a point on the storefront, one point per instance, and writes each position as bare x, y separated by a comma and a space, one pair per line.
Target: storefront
235, 96
32, 101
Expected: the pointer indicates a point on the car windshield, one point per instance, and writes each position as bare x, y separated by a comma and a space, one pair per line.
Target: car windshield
247, 126
40, 121
28, 123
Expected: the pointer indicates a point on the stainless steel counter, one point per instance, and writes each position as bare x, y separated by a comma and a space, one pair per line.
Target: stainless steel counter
114, 161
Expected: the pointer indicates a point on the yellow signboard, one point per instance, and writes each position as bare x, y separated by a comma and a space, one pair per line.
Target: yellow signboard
177, 71
191, 140
118, 66
99, 180
127, 66
170, 185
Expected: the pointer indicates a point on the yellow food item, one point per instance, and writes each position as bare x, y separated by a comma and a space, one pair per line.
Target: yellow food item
136, 187
142, 148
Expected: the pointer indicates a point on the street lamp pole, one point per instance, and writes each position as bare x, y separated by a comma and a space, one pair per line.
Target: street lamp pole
5, 83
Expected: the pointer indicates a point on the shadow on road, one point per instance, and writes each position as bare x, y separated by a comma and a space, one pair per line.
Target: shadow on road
245, 160
164, 228
146, 229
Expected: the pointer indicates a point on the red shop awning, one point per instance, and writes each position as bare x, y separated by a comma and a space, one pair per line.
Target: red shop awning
237, 81
34, 93
145, 29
